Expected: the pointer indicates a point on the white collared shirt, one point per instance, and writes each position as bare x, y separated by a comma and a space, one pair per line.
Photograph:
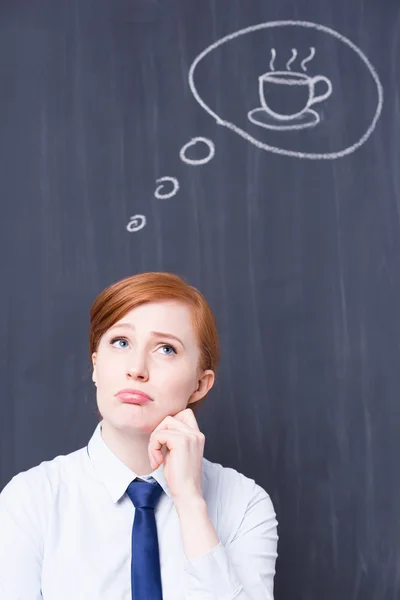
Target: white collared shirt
66, 526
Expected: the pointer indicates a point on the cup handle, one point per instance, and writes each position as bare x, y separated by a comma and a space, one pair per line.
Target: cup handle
328, 92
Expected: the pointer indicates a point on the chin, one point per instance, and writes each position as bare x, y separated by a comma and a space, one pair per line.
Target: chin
134, 425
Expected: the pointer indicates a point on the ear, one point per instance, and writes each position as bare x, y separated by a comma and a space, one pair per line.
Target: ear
204, 385
94, 356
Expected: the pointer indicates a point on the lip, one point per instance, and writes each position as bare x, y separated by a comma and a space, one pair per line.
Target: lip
131, 396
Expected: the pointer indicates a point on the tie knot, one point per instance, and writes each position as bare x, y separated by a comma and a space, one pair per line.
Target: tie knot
144, 494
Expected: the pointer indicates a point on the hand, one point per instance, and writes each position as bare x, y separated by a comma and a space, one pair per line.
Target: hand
183, 460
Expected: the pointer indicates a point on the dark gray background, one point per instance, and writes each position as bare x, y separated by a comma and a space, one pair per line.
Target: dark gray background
299, 259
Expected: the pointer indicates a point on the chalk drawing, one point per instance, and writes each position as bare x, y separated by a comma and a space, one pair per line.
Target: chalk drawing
273, 56
197, 161
290, 83
293, 86
289, 62
307, 59
137, 223
175, 187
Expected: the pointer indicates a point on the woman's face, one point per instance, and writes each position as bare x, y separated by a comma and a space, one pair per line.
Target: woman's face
152, 349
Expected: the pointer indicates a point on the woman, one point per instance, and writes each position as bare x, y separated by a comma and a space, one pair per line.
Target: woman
140, 513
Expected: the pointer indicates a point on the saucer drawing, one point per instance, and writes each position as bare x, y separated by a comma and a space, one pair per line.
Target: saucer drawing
259, 116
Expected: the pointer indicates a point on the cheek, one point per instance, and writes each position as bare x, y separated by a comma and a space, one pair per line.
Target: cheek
106, 370
180, 380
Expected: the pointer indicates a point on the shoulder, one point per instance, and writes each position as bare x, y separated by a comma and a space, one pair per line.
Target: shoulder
27, 501
41, 481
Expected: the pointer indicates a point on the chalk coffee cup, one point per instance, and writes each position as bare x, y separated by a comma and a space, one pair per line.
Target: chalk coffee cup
286, 95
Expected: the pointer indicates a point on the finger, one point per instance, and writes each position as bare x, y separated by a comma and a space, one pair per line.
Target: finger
158, 439
154, 452
155, 447
187, 416
170, 423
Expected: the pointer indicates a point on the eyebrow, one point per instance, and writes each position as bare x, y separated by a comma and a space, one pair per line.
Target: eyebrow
169, 336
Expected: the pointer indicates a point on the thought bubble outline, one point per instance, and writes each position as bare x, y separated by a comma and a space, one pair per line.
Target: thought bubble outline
174, 191
197, 161
276, 149
141, 218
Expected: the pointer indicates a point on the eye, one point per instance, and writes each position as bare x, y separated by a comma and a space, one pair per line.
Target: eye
118, 339
171, 349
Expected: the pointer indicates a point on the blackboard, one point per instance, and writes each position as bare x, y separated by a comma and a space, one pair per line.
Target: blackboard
285, 213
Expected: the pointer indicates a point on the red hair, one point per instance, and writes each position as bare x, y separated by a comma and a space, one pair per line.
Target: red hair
118, 299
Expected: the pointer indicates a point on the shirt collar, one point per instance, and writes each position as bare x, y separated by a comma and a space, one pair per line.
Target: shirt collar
115, 475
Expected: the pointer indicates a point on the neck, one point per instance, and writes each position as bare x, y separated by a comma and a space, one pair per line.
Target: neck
130, 448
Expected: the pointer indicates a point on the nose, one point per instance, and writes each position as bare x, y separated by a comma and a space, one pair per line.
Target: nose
137, 368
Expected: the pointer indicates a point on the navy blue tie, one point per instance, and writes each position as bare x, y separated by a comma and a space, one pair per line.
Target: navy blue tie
145, 565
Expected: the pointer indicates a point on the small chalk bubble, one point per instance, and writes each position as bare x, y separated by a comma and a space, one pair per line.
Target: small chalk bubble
197, 161
136, 223
159, 190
